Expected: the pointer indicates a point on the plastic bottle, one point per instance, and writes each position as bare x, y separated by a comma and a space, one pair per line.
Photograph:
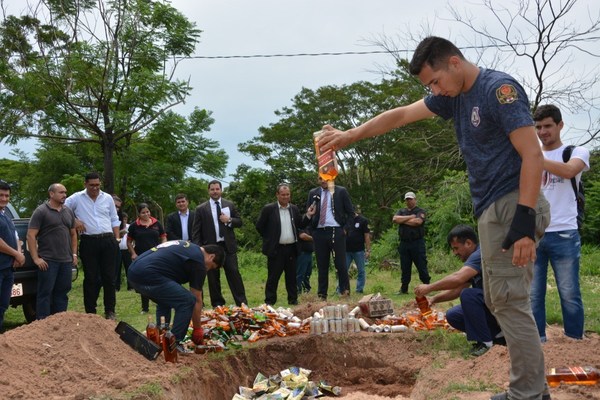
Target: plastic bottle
573, 376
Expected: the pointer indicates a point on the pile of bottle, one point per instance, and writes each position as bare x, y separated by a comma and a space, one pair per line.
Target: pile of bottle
292, 384
226, 327
419, 320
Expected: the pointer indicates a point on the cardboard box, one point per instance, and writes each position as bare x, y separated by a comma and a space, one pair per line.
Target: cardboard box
375, 305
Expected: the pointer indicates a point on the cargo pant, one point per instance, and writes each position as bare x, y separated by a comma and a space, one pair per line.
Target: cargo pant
506, 291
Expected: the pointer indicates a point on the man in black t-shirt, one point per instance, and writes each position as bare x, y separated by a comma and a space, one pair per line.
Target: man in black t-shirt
358, 247
159, 273
411, 230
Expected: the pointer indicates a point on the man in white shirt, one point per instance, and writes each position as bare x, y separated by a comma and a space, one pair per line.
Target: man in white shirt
98, 227
561, 244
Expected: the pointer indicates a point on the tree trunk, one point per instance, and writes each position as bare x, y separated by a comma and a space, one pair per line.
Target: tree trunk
109, 167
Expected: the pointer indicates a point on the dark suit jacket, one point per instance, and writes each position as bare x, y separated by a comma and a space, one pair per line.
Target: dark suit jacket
343, 210
173, 225
269, 226
203, 231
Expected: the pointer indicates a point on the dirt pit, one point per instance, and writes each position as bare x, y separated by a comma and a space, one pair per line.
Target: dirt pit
79, 356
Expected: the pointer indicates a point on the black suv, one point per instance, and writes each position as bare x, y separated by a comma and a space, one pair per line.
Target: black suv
24, 292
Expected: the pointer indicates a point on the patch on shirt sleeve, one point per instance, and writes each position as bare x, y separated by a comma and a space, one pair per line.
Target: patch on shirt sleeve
506, 94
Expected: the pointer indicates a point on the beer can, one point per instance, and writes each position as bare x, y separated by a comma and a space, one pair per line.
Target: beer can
324, 326
399, 328
363, 324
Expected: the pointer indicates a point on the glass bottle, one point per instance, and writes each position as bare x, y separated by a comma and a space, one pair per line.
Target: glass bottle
169, 344
327, 162
423, 305
573, 376
152, 332
162, 328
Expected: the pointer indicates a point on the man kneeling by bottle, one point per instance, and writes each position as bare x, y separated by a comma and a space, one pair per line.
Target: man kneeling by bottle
159, 273
471, 315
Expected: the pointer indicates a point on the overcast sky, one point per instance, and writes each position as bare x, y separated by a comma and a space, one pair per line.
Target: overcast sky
243, 94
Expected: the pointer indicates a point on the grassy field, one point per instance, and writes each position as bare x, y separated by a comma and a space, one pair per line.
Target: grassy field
385, 280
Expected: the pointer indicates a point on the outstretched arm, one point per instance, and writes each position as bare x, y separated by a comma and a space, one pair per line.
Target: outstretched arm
382, 123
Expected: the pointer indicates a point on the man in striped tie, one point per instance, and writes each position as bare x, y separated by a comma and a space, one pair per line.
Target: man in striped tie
334, 211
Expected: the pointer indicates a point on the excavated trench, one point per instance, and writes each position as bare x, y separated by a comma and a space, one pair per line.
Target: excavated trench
375, 364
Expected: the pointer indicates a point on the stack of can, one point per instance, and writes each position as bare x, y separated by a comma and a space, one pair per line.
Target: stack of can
334, 319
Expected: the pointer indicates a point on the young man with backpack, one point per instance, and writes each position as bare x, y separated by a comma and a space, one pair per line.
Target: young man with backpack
561, 244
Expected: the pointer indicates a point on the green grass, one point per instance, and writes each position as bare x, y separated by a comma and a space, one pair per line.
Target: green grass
384, 280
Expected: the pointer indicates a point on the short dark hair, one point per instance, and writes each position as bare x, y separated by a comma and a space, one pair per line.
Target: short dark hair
433, 51
181, 196
282, 185
462, 233
4, 185
91, 175
141, 206
213, 182
217, 251
547, 110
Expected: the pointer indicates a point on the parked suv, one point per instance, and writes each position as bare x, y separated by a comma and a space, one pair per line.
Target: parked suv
24, 291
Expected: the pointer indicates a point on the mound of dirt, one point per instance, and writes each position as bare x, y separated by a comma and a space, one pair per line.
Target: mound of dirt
79, 356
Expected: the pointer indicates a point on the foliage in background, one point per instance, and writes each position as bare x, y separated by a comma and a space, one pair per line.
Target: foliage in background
90, 72
376, 171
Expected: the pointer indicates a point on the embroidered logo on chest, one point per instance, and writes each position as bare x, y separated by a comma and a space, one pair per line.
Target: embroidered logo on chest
475, 119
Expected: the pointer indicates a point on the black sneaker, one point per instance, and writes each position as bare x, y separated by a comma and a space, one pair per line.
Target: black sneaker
500, 341
478, 349
110, 315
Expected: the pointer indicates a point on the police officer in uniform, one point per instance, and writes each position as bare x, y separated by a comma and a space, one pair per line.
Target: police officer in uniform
411, 221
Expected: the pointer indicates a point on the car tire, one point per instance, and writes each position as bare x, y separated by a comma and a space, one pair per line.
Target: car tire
29, 309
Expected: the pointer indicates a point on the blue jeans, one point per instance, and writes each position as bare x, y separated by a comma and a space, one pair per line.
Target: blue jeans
304, 267
170, 295
359, 259
6, 281
563, 250
473, 317
54, 285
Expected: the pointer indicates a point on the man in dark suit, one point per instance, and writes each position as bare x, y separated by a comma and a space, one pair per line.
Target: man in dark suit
278, 225
330, 223
214, 222
179, 224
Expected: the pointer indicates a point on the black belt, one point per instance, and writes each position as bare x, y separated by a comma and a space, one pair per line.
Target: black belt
98, 235
325, 228
287, 244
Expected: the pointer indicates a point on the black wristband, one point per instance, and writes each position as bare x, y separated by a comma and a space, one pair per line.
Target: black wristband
523, 225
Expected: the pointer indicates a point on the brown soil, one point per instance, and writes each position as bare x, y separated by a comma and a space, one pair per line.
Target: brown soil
79, 356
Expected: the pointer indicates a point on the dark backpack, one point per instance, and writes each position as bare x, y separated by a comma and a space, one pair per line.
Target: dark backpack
579, 191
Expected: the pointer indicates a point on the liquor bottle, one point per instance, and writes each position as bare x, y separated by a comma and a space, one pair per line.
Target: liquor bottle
162, 328
573, 376
327, 162
169, 344
423, 305
152, 332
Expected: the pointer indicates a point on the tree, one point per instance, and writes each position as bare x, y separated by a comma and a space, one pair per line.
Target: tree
551, 46
97, 72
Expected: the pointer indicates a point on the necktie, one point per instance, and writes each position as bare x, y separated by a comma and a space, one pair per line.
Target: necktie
323, 213
218, 218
